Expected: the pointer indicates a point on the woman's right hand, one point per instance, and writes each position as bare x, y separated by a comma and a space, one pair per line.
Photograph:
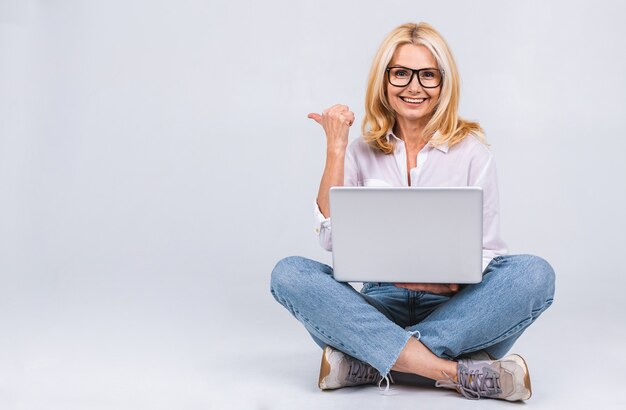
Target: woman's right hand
336, 122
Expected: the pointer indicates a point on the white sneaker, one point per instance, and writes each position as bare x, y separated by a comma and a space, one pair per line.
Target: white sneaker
340, 370
505, 379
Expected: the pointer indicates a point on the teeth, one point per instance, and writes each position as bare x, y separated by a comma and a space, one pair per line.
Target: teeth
413, 100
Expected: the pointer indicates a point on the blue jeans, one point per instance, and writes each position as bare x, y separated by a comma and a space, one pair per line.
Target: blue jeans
375, 325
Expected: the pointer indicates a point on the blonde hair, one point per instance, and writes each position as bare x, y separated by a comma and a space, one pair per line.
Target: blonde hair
380, 117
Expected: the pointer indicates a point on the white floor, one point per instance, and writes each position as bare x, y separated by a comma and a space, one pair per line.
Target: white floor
569, 357
247, 352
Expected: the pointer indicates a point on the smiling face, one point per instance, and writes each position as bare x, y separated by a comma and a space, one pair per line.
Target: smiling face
413, 103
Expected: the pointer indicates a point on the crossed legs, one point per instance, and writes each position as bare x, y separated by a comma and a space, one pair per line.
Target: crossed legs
488, 316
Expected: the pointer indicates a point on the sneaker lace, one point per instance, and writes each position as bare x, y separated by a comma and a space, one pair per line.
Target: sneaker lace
361, 372
474, 384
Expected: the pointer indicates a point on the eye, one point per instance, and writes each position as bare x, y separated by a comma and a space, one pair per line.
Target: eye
428, 74
400, 72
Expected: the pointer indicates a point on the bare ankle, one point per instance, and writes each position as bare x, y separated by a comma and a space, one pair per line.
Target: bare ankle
418, 359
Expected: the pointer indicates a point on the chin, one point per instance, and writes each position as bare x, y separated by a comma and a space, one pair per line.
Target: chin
412, 116
421, 114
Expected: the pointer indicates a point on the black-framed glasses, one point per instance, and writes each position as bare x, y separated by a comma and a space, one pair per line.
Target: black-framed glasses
399, 76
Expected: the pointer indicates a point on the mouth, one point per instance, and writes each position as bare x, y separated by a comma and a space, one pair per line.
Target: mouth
414, 101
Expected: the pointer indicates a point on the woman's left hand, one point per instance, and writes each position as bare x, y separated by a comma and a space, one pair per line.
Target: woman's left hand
438, 288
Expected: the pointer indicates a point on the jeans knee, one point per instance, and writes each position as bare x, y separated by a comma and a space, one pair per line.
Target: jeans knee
539, 275
284, 274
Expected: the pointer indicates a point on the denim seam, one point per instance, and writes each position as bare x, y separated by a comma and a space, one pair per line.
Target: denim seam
515, 329
536, 312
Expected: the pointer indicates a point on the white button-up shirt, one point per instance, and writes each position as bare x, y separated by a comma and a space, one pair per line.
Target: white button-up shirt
468, 163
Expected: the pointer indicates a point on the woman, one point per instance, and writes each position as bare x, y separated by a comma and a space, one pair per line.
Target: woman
456, 335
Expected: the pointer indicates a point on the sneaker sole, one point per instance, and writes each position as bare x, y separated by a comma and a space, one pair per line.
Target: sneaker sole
522, 363
324, 368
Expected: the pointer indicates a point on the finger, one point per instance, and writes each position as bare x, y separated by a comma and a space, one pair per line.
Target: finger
410, 286
332, 108
417, 287
344, 119
436, 288
338, 108
349, 118
315, 117
439, 289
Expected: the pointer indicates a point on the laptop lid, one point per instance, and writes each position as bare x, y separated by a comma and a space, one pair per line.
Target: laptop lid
407, 234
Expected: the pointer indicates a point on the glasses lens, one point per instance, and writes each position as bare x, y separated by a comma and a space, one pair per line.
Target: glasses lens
430, 78
399, 76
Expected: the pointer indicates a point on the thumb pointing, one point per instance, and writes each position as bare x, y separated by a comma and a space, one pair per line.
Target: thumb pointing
315, 117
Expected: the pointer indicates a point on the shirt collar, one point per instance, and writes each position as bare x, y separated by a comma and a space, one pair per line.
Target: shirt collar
391, 135
441, 147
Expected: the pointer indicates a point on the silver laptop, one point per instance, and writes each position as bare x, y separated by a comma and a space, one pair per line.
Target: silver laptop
419, 235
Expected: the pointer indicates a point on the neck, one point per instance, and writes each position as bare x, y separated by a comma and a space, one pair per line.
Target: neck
411, 132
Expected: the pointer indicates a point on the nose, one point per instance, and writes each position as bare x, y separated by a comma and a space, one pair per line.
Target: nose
414, 85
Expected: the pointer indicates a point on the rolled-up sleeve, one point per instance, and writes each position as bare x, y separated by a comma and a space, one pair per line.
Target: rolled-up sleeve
323, 225
483, 174
322, 229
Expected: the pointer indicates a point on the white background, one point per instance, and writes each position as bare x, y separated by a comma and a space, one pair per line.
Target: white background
156, 161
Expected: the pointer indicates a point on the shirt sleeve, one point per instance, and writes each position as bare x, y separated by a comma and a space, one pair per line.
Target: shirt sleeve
484, 175
323, 225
